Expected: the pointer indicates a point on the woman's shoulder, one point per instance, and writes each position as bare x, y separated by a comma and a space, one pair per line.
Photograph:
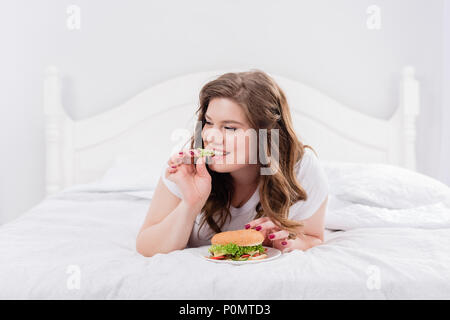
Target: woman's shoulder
310, 172
309, 160
313, 179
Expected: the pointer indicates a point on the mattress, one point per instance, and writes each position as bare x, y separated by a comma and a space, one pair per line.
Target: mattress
80, 244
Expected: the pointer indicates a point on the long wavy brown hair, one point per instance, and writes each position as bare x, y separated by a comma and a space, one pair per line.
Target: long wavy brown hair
265, 107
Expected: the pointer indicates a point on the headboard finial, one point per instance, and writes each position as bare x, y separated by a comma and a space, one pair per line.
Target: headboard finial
52, 92
410, 107
409, 72
52, 71
57, 128
410, 94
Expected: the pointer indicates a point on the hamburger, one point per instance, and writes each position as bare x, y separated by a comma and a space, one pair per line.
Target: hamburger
238, 245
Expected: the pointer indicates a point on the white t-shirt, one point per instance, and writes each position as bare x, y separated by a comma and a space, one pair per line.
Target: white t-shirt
311, 177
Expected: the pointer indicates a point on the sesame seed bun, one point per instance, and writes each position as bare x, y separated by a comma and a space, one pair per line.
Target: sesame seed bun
243, 238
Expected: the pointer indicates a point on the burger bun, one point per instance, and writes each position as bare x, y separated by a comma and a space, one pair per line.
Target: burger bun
243, 238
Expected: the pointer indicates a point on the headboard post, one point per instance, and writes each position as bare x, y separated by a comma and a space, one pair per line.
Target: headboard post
57, 134
410, 106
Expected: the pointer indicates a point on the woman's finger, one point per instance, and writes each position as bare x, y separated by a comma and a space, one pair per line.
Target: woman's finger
283, 234
201, 169
185, 156
175, 161
256, 222
190, 154
266, 226
171, 169
169, 173
284, 245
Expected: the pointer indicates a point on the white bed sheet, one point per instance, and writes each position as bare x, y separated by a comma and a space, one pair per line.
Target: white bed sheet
96, 233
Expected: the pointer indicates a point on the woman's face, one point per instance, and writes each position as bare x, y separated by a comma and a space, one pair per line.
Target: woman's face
227, 129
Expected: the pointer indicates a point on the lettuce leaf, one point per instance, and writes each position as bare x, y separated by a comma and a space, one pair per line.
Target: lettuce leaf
205, 152
235, 250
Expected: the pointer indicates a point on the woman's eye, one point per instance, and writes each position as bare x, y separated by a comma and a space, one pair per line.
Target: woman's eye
207, 122
230, 128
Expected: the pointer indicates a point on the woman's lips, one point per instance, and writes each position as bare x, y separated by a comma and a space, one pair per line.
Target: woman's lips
220, 153
220, 156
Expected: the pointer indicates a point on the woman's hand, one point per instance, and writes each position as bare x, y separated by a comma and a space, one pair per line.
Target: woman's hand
193, 180
273, 235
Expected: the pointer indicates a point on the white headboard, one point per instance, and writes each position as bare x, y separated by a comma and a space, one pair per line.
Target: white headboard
162, 118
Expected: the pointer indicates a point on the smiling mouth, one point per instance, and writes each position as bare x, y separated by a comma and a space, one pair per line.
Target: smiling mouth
220, 153
223, 153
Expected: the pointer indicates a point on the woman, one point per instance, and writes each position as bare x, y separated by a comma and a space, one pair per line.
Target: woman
195, 200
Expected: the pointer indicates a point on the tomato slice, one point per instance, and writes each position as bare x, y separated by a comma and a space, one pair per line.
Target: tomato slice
256, 254
218, 258
245, 255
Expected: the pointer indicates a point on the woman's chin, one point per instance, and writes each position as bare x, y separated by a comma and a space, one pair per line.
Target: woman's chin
221, 168
221, 165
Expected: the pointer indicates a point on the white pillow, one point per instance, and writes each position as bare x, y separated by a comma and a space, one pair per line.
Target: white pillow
384, 185
343, 215
132, 172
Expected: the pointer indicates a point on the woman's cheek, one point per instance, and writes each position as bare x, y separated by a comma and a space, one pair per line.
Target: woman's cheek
212, 135
249, 150
239, 150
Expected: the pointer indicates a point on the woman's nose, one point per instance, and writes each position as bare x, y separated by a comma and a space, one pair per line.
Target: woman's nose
213, 135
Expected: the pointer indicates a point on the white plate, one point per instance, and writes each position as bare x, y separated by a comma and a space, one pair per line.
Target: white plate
272, 254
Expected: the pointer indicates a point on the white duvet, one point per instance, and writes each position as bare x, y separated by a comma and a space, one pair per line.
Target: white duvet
80, 244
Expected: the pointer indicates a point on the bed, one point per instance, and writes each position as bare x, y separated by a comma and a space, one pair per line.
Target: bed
387, 226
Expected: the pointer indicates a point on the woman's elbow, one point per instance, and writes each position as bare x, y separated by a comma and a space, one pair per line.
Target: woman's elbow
316, 242
141, 247
313, 241
142, 251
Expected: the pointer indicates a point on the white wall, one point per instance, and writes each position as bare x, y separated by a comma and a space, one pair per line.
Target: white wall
444, 174
126, 46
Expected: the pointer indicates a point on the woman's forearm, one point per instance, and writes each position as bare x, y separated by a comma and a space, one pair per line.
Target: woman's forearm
170, 234
305, 242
